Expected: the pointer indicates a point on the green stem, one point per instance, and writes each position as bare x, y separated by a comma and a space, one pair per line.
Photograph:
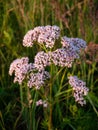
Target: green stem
50, 111
50, 118
50, 105
21, 97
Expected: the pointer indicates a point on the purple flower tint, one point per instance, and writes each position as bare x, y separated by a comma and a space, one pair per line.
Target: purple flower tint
79, 88
20, 67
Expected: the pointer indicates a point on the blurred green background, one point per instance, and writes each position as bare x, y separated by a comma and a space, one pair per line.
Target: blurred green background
76, 18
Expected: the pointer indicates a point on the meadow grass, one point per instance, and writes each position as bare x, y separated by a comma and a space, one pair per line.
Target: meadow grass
76, 19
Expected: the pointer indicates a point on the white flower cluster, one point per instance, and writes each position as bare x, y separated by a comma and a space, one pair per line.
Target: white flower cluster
42, 34
63, 57
42, 60
79, 88
70, 51
40, 102
76, 44
37, 79
29, 38
20, 67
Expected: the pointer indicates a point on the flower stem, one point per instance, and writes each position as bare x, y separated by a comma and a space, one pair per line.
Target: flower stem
21, 97
50, 118
50, 111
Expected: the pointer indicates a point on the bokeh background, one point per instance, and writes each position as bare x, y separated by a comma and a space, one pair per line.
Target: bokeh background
76, 18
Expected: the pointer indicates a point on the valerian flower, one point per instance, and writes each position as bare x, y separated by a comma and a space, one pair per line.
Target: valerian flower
42, 34
20, 67
38, 79
76, 44
41, 102
63, 57
36, 74
42, 60
79, 88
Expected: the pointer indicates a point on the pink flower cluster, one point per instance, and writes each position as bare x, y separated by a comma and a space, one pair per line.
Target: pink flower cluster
64, 56
79, 88
38, 79
20, 67
61, 57
42, 34
76, 44
41, 102
42, 60
70, 51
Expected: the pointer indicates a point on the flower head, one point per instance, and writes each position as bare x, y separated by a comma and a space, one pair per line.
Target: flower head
29, 38
63, 57
41, 102
42, 34
38, 79
74, 43
20, 67
79, 88
42, 60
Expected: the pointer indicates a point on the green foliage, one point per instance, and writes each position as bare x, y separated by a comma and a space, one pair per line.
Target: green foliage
76, 19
